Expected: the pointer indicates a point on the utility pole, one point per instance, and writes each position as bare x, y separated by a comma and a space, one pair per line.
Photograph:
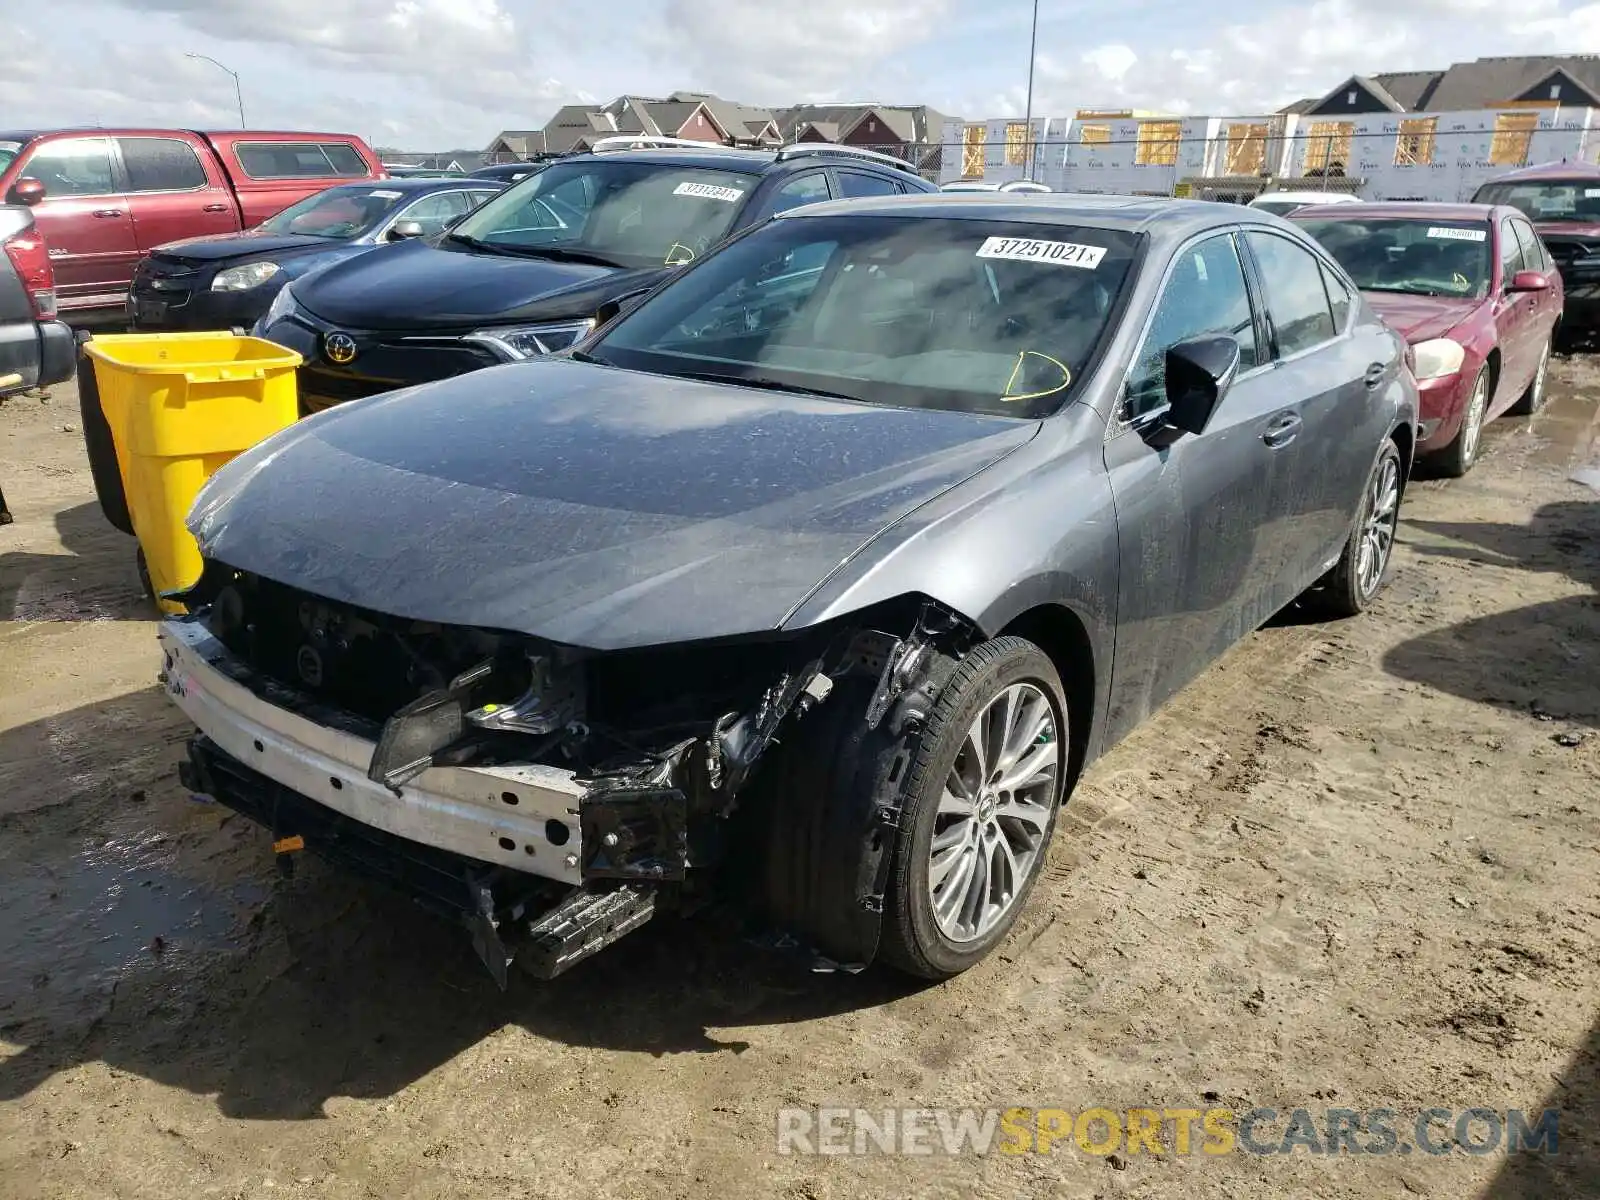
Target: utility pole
1027, 142
238, 92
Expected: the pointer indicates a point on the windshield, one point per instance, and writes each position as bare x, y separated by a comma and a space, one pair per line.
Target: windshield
1278, 207
995, 317
633, 214
8, 153
1427, 258
338, 213
1547, 199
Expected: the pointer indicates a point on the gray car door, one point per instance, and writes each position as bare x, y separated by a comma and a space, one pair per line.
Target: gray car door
1326, 374
1195, 515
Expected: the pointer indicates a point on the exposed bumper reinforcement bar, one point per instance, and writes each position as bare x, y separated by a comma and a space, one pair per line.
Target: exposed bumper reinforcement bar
512, 916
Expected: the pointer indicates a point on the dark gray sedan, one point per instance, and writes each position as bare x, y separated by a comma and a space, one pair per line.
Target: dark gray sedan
824, 571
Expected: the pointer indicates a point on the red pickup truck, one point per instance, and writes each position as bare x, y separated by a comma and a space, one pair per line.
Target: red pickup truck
104, 198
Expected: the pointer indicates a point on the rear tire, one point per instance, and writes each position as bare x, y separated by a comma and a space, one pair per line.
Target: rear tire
1456, 459
1532, 400
985, 784
1355, 582
102, 450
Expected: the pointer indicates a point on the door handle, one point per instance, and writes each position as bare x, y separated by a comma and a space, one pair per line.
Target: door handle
108, 212
215, 208
1283, 431
1374, 375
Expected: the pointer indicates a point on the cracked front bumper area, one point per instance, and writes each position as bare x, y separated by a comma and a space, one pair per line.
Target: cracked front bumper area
501, 848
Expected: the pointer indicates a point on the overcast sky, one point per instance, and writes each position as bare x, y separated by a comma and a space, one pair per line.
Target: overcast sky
436, 74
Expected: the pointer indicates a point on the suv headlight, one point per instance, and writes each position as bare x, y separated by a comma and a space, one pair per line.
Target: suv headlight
242, 279
1440, 356
282, 305
530, 341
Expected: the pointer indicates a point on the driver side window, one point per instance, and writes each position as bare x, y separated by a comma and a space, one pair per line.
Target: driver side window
1204, 294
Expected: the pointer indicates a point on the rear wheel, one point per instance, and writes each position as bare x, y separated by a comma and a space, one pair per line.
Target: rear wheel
979, 807
1353, 584
1532, 400
1456, 459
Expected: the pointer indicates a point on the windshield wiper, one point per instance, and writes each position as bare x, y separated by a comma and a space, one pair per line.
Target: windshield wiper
473, 243
759, 383
565, 254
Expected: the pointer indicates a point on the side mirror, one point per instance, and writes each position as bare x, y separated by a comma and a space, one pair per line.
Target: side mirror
1528, 281
27, 191
1199, 373
404, 231
612, 309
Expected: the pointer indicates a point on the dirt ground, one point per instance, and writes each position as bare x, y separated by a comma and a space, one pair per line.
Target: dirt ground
1354, 864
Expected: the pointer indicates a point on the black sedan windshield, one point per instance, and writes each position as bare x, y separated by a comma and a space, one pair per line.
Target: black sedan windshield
1547, 199
991, 317
634, 214
1410, 254
339, 213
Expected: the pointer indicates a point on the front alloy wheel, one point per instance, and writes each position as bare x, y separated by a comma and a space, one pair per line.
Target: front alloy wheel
980, 804
995, 809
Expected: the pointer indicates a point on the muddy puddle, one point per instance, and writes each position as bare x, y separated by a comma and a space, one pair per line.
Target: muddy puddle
76, 915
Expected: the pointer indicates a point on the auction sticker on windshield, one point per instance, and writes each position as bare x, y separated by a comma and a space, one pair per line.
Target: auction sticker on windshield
708, 191
1457, 235
1061, 254
385, 195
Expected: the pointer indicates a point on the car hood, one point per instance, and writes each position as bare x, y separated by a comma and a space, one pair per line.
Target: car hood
252, 243
1419, 318
431, 285
1580, 229
584, 504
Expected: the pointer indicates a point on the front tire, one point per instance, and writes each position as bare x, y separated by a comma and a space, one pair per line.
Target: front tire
1532, 400
1355, 582
1456, 459
979, 808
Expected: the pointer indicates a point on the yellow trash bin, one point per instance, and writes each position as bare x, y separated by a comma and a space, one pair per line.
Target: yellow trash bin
180, 405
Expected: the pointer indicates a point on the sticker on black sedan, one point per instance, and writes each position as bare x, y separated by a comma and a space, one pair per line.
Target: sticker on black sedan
708, 191
1457, 235
1061, 254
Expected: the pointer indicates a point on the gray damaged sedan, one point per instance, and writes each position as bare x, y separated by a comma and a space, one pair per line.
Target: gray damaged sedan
814, 579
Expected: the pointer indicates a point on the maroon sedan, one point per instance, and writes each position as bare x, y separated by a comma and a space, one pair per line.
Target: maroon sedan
1473, 292
1562, 200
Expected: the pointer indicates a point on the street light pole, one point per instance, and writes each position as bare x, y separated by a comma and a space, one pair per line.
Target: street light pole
238, 92
1033, 43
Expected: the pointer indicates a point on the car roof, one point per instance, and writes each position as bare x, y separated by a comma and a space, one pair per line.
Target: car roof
1550, 170
1401, 210
1348, 198
425, 183
1135, 214
754, 162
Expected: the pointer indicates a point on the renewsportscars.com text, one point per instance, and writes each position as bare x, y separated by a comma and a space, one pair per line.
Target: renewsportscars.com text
1209, 1131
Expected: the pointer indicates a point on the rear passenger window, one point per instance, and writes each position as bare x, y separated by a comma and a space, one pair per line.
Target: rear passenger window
299, 160
1296, 300
161, 165
1204, 294
858, 183
1339, 298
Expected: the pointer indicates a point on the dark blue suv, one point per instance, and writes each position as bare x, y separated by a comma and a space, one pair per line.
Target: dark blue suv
540, 265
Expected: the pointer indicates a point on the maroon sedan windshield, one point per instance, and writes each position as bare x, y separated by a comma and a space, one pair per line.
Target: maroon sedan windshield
1423, 257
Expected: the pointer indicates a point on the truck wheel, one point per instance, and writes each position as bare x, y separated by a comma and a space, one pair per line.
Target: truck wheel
980, 804
101, 449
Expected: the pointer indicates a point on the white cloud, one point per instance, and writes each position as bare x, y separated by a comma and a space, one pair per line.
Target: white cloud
435, 74
786, 52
